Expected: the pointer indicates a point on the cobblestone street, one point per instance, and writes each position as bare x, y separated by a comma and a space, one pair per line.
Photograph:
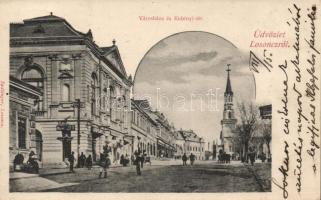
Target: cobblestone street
205, 176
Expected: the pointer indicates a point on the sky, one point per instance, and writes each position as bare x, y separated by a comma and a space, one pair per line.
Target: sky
184, 76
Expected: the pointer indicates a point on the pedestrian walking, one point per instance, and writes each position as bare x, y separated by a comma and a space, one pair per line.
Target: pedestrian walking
89, 162
71, 160
184, 158
251, 155
132, 159
192, 158
82, 160
137, 162
142, 159
104, 164
122, 160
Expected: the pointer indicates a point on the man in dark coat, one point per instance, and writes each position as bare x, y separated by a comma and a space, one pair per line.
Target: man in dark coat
104, 164
251, 155
82, 160
89, 162
32, 162
71, 160
184, 158
192, 158
137, 162
18, 160
142, 159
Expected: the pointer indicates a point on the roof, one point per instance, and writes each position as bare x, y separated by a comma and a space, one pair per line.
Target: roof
143, 110
190, 135
106, 50
179, 136
53, 30
50, 17
45, 26
142, 104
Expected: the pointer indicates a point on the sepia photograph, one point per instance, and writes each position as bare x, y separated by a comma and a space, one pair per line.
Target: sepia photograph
191, 125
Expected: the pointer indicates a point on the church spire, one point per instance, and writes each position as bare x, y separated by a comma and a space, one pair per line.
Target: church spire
228, 89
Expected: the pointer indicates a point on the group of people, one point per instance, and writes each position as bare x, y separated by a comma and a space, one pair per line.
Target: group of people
138, 160
31, 166
191, 158
124, 160
82, 161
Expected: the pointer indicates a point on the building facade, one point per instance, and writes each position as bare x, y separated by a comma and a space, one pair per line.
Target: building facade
164, 132
191, 143
143, 128
85, 91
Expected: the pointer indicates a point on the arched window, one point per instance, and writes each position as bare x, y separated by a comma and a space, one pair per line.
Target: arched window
65, 92
33, 76
229, 115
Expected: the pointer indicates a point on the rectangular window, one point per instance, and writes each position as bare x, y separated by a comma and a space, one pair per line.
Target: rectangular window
22, 132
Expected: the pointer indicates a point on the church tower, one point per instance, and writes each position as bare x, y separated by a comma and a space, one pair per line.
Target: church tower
229, 121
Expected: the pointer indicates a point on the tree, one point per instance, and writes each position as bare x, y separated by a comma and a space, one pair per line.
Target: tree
248, 123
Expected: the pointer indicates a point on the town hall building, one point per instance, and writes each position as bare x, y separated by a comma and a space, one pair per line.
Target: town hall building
77, 93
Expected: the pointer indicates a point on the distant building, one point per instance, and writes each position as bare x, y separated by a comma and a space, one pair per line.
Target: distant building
266, 111
192, 143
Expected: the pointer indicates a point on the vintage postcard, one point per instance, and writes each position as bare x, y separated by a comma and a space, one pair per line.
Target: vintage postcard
160, 99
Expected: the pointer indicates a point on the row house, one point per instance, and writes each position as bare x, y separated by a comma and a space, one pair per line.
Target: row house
143, 128
84, 99
165, 136
159, 140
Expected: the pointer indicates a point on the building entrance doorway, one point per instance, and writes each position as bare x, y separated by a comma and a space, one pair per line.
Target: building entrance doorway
66, 148
66, 145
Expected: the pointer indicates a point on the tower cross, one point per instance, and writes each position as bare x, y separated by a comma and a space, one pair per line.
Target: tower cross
228, 68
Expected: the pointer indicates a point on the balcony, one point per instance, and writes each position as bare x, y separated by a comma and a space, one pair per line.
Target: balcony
39, 113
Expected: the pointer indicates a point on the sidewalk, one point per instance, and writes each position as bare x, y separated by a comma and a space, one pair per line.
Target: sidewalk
43, 172
25, 182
